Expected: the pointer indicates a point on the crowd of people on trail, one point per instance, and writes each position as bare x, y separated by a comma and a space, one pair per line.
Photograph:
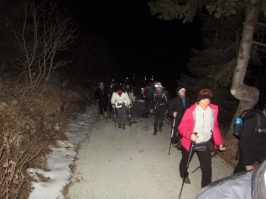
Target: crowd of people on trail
195, 125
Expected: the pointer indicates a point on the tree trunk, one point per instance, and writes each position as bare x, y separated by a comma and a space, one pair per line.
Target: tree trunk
248, 96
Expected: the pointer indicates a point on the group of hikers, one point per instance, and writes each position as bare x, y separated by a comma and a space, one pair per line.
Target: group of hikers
193, 123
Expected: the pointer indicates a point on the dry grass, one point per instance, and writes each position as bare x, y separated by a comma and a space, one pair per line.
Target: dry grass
27, 128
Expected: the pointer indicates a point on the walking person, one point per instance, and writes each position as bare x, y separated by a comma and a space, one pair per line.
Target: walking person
202, 118
101, 95
130, 93
145, 95
121, 102
176, 109
159, 103
252, 144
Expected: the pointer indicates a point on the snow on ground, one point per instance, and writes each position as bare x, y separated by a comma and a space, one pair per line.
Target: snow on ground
60, 158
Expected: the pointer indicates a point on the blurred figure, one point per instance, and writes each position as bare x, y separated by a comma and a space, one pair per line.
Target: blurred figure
101, 96
129, 91
145, 95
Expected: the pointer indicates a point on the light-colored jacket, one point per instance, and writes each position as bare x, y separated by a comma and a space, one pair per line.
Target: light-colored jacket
120, 99
131, 97
187, 124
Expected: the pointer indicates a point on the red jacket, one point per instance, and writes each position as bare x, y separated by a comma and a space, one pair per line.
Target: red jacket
186, 126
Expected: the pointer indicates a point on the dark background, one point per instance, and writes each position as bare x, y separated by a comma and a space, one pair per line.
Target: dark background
143, 44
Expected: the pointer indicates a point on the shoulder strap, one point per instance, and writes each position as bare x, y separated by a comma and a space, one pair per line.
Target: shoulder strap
258, 129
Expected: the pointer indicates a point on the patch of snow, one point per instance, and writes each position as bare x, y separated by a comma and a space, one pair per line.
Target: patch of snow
60, 158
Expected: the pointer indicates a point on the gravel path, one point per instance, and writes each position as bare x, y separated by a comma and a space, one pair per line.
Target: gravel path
133, 164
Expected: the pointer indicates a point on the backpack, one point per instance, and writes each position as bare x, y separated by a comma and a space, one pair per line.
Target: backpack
240, 120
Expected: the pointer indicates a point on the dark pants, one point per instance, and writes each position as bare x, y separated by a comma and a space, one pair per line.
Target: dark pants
205, 165
158, 116
122, 115
103, 106
252, 158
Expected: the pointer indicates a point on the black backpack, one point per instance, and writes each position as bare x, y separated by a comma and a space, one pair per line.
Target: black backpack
240, 120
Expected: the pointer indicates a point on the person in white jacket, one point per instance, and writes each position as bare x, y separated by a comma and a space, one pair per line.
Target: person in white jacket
121, 102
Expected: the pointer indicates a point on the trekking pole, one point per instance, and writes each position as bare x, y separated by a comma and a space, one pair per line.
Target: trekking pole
172, 133
214, 154
191, 151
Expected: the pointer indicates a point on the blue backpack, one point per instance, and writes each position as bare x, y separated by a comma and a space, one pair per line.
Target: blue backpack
240, 121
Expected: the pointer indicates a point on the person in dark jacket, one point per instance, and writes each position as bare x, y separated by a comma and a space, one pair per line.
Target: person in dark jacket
244, 185
102, 95
176, 109
252, 144
159, 104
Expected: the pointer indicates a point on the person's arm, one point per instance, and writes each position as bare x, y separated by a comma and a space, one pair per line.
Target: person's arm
246, 139
217, 137
171, 107
152, 102
186, 124
132, 97
128, 102
113, 98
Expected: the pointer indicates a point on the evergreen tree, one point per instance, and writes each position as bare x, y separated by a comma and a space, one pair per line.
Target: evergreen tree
249, 10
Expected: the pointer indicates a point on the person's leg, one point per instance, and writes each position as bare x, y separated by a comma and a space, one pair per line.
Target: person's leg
124, 117
183, 162
205, 165
161, 117
100, 104
119, 116
105, 104
155, 120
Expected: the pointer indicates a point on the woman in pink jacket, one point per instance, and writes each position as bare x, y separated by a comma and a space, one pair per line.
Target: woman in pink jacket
201, 118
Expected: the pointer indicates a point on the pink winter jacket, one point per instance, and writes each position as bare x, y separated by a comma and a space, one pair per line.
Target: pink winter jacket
186, 126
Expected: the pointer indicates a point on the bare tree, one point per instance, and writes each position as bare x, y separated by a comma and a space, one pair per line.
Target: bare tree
42, 33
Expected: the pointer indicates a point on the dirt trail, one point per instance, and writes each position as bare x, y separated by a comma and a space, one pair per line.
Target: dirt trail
133, 164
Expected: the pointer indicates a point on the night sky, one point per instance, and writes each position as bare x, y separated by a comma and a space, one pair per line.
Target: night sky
144, 45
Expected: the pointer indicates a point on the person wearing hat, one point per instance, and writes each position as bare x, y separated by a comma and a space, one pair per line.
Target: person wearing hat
121, 102
101, 96
159, 104
200, 118
176, 109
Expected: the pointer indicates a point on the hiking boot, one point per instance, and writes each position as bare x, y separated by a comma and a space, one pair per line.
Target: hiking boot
160, 127
187, 180
119, 125
123, 126
101, 117
155, 132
